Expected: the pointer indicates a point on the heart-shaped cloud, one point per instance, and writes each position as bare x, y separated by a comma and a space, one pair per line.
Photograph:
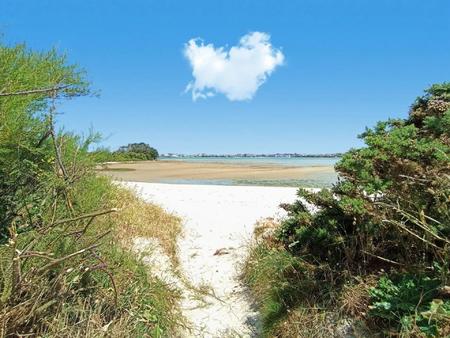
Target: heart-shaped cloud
236, 73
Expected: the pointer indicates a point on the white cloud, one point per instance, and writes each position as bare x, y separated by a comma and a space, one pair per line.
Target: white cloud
236, 73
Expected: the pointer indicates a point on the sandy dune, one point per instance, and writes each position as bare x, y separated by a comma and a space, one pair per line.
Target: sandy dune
216, 219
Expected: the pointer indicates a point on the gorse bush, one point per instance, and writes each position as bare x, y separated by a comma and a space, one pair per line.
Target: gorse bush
392, 200
389, 213
64, 266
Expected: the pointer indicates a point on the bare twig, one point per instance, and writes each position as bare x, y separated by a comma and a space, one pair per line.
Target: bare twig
79, 252
78, 233
55, 144
103, 267
399, 224
43, 138
35, 91
93, 214
418, 222
62, 259
382, 258
36, 254
31, 244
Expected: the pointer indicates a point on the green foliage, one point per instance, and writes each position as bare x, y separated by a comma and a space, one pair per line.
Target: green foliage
62, 269
143, 149
131, 152
392, 192
26, 154
86, 293
389, 211
278, 281
294, 297
410, 301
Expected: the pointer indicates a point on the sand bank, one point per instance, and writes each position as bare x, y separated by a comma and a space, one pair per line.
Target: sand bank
154, 171
218, 223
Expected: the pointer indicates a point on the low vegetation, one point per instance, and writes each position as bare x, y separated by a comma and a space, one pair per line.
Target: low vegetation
373, 259
65, 264
141, 219
131, 152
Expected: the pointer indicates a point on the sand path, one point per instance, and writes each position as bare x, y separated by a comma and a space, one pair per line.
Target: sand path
216, 219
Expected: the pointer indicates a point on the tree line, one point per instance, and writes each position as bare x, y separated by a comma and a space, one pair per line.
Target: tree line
131, 152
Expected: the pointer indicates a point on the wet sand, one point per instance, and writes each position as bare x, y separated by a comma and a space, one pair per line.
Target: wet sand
157, 171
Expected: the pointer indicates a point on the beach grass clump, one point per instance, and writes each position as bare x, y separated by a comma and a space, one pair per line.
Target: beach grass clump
376, 249
292, 297
277, 280
138, 218
65, 266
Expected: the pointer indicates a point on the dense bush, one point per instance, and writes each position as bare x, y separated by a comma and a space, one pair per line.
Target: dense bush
142, 149
63, 270
131, 152
388, 214
26, 152
392, 199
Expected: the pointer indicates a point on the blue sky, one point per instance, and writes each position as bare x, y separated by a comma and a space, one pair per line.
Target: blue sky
347, 64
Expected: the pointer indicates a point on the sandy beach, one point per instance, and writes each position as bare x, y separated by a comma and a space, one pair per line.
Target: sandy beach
156, 171
218, 222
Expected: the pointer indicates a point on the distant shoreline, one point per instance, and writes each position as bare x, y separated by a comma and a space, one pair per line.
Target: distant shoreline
277, 161
174, 155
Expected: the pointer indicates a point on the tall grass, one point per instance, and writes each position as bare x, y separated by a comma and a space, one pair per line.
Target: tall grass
138, 218
100, 292
294, 300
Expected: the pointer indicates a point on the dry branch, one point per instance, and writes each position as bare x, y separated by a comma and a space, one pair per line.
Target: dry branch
90, 215
381, 258
62, 259
35, 91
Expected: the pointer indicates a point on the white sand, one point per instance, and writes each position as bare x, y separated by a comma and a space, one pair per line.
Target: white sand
214, 218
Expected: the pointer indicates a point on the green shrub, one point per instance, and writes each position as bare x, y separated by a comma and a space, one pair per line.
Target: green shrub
26, 152
392, 196
139, 150
63, 268
131, 152
410, 302
389, 212
278, 280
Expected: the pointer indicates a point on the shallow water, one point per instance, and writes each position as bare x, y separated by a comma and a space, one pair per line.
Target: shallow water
314, 180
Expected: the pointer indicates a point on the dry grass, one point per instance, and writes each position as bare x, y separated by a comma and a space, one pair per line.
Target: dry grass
304, 323
354, 298
319, 323
137, 218
291, 302
265, 230
103, 291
